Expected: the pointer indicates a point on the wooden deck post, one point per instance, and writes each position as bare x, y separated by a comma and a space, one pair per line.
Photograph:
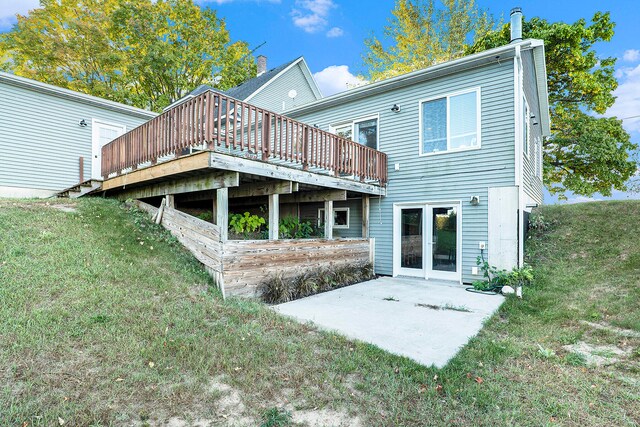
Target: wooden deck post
366, 203
274, 216
171, 201
328, 219
222, 212
81, 168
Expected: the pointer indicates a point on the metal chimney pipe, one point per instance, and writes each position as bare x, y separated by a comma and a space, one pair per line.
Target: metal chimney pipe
261, 64
516, 24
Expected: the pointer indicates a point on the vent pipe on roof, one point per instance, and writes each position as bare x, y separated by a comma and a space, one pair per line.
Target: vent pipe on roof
516, 24
262, 64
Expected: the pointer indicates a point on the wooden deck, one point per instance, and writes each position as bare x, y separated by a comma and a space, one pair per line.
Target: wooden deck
216, 123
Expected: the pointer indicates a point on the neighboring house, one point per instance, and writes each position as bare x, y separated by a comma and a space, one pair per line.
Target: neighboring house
464, 146
282, 88
51, 138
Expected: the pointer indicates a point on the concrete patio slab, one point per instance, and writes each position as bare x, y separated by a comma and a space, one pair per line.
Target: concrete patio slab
393, 313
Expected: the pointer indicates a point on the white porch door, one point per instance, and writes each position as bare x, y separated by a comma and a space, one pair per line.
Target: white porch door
427, 240
101, 134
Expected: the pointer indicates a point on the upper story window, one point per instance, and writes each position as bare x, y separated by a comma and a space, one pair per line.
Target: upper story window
450, 123
363, 131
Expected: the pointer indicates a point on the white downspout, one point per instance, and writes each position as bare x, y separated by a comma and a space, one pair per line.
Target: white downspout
518, 150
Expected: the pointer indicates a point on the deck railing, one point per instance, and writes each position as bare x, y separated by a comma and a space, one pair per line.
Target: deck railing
216, 122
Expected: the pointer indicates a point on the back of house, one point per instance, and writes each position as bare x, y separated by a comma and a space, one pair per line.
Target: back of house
464, 146
50, 137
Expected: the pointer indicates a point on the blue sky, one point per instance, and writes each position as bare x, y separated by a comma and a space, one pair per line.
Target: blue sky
330, 34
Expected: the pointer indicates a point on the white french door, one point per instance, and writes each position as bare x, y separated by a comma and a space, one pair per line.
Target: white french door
427, 240
101, 134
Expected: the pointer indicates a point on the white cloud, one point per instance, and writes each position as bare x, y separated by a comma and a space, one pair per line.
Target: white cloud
337, 78
627, 98
311, 15
581, 199
631, 55
9, 9
335, 32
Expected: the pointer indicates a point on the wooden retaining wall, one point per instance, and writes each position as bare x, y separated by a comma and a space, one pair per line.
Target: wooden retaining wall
248, 263
240, 266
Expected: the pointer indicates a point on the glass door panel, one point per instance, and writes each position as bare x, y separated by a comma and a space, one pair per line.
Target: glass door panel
411, 238
444, 234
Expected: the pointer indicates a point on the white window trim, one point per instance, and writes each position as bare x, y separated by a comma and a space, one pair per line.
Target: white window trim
526, 146
478, 92
321, 217
333, 127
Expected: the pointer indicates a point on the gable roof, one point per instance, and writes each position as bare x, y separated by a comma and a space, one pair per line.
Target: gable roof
60, 92
446, 68
248, 88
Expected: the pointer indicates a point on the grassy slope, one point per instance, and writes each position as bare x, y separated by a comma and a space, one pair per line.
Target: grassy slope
97, 328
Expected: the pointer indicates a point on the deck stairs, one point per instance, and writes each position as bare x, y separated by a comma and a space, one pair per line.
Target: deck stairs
82, 189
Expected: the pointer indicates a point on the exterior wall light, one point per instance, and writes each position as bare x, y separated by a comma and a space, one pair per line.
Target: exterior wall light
83, 123
475, 200
395, 108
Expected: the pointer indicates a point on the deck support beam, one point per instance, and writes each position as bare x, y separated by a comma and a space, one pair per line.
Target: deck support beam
262, 189
222, 212
315, 196
208, 181
274, 216
328, 219
366, 203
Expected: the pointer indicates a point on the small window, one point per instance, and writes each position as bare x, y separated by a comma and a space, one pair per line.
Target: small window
450, 123
344, 130
525, 126
340, 217
363, 131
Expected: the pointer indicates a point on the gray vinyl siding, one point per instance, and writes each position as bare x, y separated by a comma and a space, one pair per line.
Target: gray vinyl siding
531, 181
41, 140
309, 212
277, 91
444, 177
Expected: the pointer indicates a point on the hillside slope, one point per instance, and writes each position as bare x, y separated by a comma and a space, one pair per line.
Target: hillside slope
105, 320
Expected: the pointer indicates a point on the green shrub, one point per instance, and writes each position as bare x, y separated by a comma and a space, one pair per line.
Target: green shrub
245, 223
291, 227
205, 216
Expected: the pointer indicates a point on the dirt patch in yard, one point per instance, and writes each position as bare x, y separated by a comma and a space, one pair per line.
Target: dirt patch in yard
325, 418
598, 355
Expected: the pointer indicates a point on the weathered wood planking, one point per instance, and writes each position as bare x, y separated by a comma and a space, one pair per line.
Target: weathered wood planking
248, 263
240, 266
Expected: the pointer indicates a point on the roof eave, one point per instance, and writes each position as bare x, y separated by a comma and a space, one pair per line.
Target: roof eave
49, 89
438, 70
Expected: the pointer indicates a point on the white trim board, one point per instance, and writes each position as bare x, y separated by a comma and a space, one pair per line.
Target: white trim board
427, 206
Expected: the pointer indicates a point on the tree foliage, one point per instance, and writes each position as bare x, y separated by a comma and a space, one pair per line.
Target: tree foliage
422, 33
585, 153
139, 52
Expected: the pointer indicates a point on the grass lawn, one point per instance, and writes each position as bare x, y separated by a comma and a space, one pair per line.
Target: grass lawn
105, 320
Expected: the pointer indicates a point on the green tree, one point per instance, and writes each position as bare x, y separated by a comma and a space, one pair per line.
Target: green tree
139, 52
421, 33
585, 154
